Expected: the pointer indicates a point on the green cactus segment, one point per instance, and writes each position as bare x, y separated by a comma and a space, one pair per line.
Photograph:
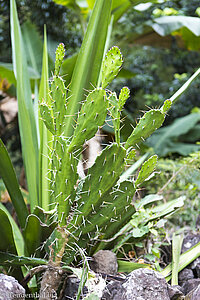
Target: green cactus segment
58, 96
111, 65
101, 177
115, 203
146, 171
60, 53
114, 228
92, 114
166, 106
151, 121
46, 114
115, 114
63, 184
123, 96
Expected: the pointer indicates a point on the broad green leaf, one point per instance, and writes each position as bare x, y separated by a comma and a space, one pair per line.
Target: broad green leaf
36, 232
6, 71
147, 200
165, 140
10, 180
167, 24
17, 236
7, 259
27, 122
88, 64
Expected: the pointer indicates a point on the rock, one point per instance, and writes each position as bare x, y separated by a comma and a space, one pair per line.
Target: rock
190, 285
104, 261
10, 288
189, 241
71, 288
141, 284
185, 275
194, 294
113, 291
175, 292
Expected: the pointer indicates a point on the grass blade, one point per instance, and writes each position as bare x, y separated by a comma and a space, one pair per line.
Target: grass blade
177, 241
185, 259
27, 124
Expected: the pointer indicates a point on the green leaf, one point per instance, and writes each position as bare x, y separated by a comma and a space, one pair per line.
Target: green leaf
27, 122
33, 46
6, 71
67, 68
185, 259
127, 266
36, 232
88, 64
7, 238
10, 180
7, 259
147, 169
177, 241
17, 236
45, 135
165, 140
168, 24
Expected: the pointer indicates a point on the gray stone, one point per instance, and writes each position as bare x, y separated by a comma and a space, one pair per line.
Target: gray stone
141, 284
175, 292
113, 291
104, 261
71, 288
189, 241
194, 294
10, 288
185, 275
190, 285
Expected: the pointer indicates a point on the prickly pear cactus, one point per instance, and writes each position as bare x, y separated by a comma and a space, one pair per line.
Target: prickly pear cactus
111, 66
93, 209
151, 121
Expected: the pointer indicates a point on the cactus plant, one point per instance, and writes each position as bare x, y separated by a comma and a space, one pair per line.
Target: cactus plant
99, 205
81, 213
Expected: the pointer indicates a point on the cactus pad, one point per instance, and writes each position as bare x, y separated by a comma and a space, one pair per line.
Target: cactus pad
92, 114
151, 121
111, 65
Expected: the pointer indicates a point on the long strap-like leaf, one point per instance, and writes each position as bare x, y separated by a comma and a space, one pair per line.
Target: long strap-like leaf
88, 64
45, 135
26, 116
9, 178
